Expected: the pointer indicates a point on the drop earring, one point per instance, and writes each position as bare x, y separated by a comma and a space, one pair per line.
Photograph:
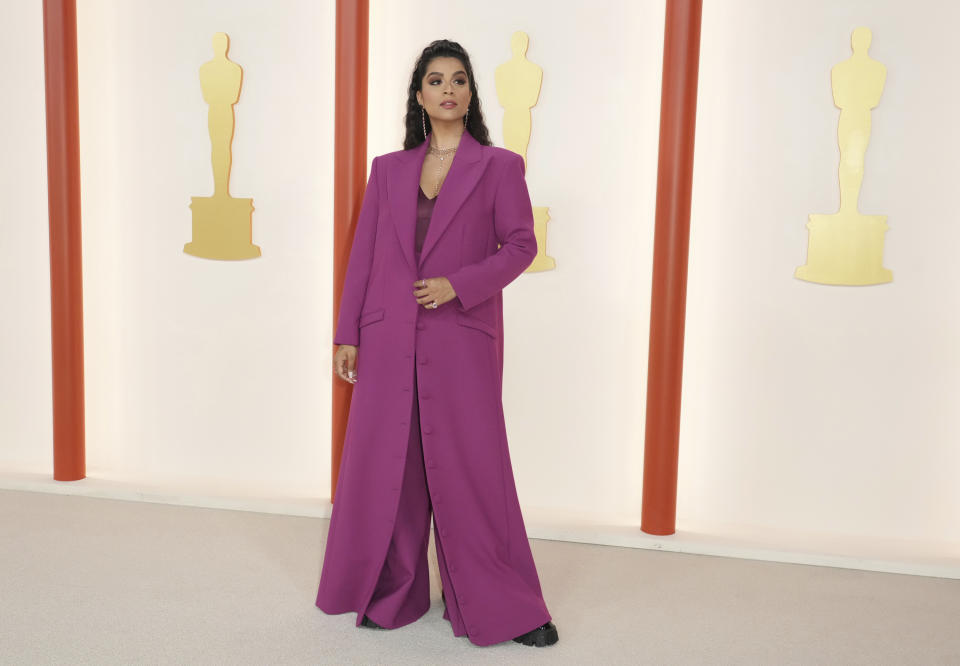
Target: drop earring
423, 119
465, 116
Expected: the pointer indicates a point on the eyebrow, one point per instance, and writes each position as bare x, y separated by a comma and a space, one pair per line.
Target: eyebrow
440, 74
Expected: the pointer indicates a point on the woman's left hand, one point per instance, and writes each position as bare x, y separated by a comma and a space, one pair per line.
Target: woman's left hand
436, 289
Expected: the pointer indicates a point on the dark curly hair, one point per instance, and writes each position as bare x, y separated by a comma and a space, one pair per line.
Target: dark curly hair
442, 48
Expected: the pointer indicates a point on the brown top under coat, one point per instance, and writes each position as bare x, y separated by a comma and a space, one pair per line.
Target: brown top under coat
424, 212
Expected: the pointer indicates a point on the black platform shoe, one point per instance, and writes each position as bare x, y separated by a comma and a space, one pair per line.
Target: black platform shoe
541, 636
367, 622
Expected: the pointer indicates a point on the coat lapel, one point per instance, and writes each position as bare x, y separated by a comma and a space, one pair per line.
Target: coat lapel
464, 173
402, 194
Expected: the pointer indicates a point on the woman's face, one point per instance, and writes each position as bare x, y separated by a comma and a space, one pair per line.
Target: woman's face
445, 90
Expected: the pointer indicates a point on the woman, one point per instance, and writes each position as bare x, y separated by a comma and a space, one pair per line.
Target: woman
445, 224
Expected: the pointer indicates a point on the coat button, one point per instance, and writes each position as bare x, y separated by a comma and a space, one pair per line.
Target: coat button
406, 388
423, 360
443, 531
428, 429
425, 396
420, 326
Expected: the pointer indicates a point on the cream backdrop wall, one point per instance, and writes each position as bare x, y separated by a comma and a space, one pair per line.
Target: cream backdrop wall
809, 411
206, 372
810, 408
25, 379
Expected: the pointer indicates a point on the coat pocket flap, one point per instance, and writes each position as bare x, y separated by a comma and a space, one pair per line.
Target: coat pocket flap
370, 317
473, 322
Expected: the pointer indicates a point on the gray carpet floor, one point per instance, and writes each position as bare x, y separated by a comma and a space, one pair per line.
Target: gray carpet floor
96, 581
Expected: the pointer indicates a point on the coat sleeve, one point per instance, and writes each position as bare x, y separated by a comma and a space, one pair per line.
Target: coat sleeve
513, 225
358, 267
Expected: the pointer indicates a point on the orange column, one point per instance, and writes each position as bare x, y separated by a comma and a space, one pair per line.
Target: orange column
678, 109
349, 178
66, 277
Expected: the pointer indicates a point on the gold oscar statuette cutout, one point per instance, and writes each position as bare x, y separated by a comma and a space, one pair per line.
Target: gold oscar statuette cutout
222, 225
847, 247
518, 88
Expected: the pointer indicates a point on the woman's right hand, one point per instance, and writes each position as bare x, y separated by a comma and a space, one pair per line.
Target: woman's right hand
345, 363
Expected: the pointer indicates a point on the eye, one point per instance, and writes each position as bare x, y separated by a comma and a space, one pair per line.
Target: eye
462, 81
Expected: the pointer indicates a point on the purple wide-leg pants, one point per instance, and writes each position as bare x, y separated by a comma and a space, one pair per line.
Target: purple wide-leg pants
402, 593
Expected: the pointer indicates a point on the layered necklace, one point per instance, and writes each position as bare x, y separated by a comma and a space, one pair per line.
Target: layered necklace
441, 153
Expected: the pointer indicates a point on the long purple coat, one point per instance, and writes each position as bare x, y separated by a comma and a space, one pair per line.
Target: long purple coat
459, 350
